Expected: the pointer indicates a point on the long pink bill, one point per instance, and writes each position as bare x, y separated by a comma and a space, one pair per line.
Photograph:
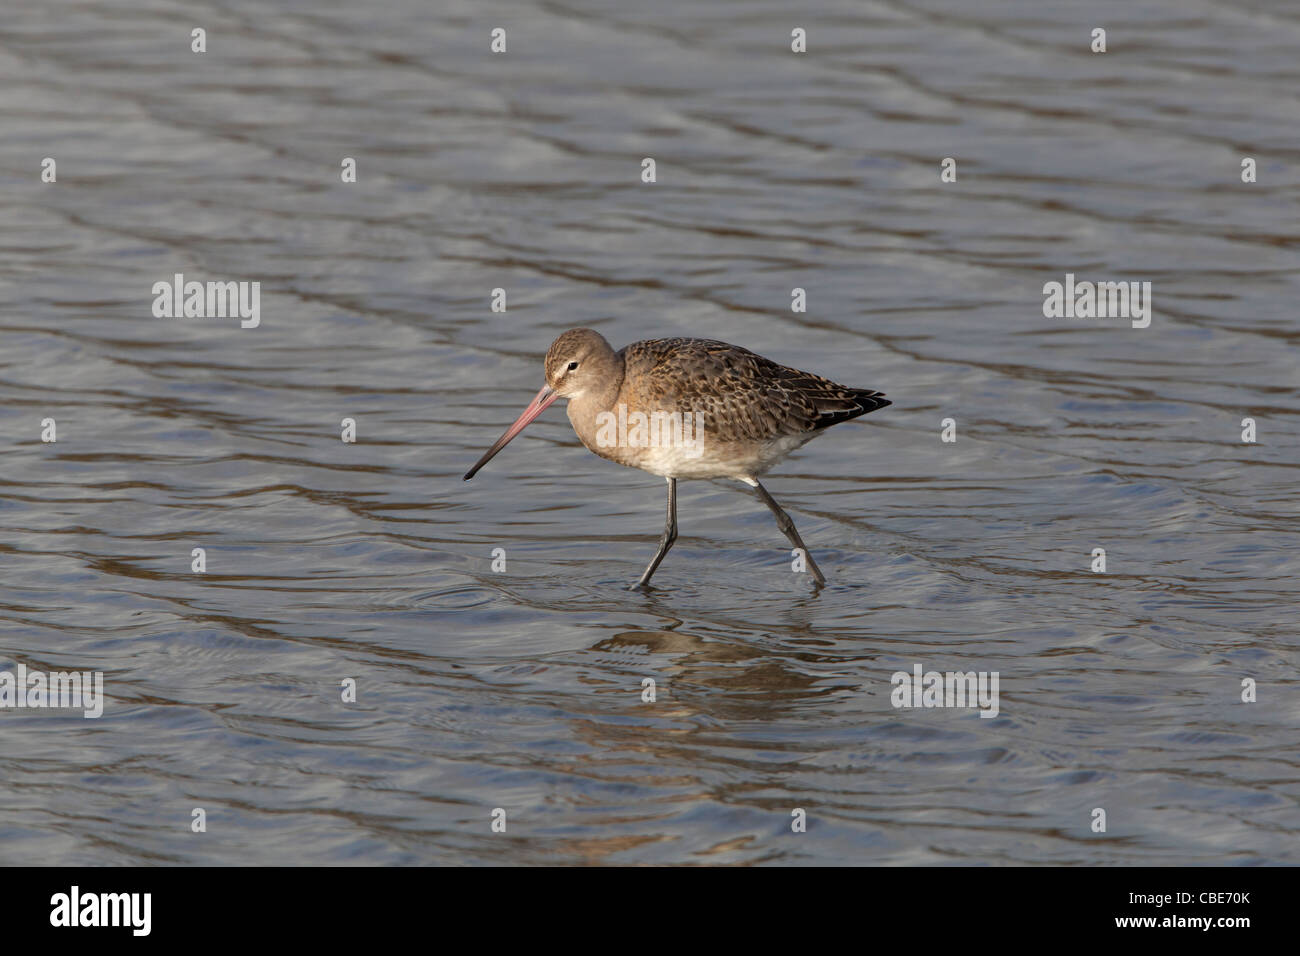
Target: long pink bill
538, 405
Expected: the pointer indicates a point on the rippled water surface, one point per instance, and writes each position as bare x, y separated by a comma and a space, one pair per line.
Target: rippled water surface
521, 690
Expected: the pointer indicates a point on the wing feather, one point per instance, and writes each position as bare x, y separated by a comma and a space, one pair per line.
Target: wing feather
740, 394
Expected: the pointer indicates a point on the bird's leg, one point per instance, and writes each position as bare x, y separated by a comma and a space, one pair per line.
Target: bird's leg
787, 527
669, 535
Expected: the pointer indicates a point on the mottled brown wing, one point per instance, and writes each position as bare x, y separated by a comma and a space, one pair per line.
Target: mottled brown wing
740, 394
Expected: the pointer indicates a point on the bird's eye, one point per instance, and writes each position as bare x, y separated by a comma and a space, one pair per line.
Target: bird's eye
572, 366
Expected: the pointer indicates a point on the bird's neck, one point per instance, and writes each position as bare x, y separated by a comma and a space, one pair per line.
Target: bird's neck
585, 409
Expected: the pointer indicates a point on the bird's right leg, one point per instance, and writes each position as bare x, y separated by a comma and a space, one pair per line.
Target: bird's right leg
669, 535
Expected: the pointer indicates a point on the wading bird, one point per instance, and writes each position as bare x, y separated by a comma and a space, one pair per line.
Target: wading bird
689, 408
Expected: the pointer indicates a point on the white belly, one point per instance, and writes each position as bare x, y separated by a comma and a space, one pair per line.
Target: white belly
718, 459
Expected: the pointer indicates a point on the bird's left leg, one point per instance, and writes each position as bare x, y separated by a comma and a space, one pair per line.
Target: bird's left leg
787, 527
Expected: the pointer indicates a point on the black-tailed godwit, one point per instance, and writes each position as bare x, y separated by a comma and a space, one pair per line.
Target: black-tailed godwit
689, 408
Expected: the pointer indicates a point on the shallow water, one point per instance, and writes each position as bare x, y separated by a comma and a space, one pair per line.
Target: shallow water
521, 689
